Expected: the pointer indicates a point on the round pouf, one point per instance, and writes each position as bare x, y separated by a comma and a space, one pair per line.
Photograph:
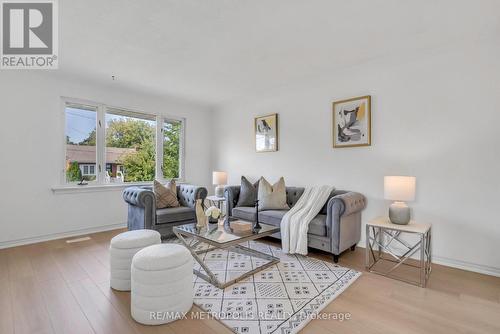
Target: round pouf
122, 249
162, 284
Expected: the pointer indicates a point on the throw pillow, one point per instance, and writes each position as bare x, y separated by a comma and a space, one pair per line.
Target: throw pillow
172, 186
272, 197
248, 193
165, 197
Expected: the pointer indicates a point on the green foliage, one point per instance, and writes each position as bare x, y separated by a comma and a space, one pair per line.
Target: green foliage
73, 173
129, 133
140, 165
171, 150
90, 140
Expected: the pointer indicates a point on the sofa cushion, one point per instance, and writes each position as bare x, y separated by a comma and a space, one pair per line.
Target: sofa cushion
170, 215
172, 185
245, 213
272, 197
273, 217
248, 192
318, 226
165, 195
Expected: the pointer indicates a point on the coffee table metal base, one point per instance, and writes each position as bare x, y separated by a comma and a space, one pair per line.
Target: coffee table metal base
210, 276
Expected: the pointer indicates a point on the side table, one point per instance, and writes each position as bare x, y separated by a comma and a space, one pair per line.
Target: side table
381, 233
217, 201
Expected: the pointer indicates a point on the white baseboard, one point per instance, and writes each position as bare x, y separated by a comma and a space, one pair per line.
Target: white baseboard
54, 236
464, 265
453, 263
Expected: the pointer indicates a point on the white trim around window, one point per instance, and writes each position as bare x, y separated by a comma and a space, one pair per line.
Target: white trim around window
100, 165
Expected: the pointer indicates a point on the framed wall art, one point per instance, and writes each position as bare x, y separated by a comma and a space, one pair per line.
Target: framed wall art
266, 133
352, 122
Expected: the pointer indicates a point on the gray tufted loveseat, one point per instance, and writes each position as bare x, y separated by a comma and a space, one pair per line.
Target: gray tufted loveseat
142, 212
336, 228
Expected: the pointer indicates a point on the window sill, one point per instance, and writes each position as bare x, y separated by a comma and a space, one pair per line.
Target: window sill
90, 188
73, 188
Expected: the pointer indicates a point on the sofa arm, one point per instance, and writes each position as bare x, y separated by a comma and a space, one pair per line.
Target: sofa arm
348, 203
139, 197
141, 208
188, 194
344, 220
231, 193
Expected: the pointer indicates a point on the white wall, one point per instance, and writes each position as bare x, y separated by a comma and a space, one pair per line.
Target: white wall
31, 128
436, 116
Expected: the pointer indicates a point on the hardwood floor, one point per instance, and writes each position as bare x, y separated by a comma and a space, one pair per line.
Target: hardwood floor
56, 287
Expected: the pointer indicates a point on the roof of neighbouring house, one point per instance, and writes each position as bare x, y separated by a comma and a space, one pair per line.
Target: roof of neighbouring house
87, 154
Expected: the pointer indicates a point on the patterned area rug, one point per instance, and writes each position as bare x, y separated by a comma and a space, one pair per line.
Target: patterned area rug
281, 299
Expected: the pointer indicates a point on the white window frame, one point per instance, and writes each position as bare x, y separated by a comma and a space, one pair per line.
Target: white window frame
100, 166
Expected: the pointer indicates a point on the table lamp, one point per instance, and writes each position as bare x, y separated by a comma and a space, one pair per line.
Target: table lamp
399, 189
219, 179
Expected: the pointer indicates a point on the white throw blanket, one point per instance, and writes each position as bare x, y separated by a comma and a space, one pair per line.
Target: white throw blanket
295, 223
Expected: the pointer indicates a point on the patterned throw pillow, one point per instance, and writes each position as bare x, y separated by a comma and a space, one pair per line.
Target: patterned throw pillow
272, 197
172, 186
165, 196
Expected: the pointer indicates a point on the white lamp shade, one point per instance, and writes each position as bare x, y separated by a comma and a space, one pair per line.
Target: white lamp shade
399, 188
219, 178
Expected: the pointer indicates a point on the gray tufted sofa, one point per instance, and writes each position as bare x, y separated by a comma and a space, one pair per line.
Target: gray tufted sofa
336, 228
142, 212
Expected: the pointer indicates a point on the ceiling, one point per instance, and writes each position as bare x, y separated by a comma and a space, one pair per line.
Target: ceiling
213, 51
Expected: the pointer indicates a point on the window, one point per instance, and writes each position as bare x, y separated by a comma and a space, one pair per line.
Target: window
172, 134
130, 143
131, 146
80, 142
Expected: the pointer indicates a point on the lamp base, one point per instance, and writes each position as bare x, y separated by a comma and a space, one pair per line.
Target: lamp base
399, 213
219, 191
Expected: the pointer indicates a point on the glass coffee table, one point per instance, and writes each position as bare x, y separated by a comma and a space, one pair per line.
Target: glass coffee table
223, 237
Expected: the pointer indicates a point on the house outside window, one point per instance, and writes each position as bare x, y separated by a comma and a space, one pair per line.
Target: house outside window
87, 169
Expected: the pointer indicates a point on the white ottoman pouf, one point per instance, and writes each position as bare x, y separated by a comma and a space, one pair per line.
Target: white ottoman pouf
162, 284
121, 251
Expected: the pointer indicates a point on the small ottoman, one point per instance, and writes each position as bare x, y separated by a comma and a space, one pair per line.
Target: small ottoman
162, 284
122, 249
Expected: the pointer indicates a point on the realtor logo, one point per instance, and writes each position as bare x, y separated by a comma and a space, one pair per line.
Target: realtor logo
29, 34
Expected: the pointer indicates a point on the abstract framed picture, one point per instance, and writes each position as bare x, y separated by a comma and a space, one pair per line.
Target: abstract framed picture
352, 122
266, 133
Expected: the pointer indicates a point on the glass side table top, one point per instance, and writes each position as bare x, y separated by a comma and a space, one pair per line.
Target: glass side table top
222, 234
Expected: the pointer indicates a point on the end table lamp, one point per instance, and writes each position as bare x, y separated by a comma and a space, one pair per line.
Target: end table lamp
219, 179
399, 189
